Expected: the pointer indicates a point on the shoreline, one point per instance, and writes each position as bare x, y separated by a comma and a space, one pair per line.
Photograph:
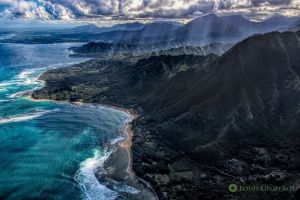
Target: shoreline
126, 129
125, 144
123, 149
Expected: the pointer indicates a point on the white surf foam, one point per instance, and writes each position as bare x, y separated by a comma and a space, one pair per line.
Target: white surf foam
92, 188
9, 83
4, 84
20, 118
6, 101
20, 94
54, 66
7, 36
121, 187
27, 77
25, 74
116, 140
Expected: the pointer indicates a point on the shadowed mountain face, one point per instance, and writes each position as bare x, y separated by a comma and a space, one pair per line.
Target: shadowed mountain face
102, 49
241, 116
212, 28
206, 121
136, 79
251, 96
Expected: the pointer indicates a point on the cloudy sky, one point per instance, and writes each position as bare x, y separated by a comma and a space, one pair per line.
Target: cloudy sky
141, 9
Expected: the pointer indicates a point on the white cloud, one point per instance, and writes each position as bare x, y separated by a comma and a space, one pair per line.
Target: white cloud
126, 9
6, 1
38, 9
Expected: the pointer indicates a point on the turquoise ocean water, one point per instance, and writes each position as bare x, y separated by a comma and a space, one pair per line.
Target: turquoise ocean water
49, 150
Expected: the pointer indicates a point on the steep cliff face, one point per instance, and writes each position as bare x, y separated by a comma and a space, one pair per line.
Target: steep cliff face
239, 120
251, 95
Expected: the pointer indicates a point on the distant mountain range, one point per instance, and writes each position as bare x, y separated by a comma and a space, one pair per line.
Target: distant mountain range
295, 27
150, 33
91, 28
200, 31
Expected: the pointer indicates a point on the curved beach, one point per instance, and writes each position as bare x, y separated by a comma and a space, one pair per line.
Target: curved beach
116, 171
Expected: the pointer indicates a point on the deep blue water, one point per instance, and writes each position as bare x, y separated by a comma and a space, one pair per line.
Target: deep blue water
49, 150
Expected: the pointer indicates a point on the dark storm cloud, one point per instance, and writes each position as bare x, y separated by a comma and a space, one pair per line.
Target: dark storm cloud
271, 2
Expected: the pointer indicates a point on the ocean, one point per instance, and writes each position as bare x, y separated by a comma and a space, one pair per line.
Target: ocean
50, 150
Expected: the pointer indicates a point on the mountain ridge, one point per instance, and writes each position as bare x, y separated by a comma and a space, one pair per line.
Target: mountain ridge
92, 28
200, 31
221, 119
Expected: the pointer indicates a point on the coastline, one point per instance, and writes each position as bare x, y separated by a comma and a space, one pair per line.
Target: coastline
127, 176
132, 177
127, 130
127, 127
176, 145
125, 133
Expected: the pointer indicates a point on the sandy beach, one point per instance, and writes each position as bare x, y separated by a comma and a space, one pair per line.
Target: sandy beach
118, 165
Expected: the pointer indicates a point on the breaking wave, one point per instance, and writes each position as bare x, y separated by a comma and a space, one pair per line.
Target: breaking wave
91, 187
29, 116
